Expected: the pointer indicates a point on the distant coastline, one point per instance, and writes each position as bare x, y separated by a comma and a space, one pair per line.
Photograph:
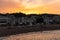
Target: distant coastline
18, 23
29, 13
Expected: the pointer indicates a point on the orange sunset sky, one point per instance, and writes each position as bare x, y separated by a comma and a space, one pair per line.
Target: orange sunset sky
30, 6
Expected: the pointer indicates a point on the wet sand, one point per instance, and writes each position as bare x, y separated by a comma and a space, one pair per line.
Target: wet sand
45, 35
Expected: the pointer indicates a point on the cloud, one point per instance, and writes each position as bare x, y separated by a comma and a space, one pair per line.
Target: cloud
8, 3
28, 5
36, 3
9, 6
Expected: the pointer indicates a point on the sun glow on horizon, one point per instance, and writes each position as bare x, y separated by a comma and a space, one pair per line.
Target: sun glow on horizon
30, 6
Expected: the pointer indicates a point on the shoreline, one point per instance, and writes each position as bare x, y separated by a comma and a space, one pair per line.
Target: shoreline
45, 35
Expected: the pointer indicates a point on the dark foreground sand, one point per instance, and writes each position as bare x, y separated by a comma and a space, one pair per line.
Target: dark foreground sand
46, 35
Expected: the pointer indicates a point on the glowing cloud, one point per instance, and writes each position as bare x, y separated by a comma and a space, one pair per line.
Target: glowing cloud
36, 3
30, 6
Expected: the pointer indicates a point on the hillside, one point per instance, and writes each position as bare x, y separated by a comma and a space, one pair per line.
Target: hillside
17, 23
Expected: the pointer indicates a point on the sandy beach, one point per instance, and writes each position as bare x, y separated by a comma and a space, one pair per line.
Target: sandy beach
45, 35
